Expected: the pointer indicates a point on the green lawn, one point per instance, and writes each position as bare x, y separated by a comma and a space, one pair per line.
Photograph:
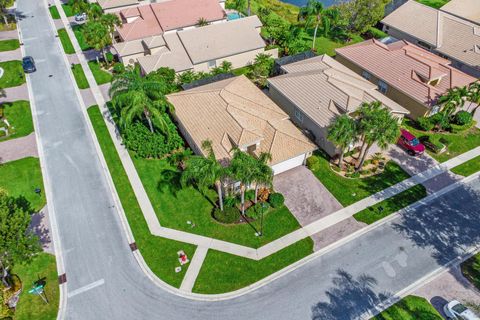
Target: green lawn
54, 12
66, 42
19, 116
391, 205
175, 206
222, 272
32, 306
468, 168
9, 45
434, 3
79, 75
13, 74
101, 76
67, 8
471, 270
285, 10
21, 178
457, 143
160, 254
80, 38
348, 191
410, 308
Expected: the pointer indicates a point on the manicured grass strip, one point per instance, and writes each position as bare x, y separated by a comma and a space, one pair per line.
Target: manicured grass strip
434, 3
19, 116
391, 205
175, 206
20, 178
13, 74
80, 77
159, 253
65, 40
468, 168
77, 30
457, 143
410, 308
471, 270
9, 45
54, 12
222, 272
101, 76
31, 306
348, 191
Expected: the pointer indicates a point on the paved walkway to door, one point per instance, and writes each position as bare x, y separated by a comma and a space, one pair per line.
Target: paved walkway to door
305, 196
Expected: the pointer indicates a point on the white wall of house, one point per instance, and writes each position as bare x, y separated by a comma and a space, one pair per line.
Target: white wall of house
238, 61
289, 164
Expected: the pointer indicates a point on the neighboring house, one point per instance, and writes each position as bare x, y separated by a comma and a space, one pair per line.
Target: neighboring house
116, 5
404, 72
166, 35
465, 9
234, 113
446, 34
317, 90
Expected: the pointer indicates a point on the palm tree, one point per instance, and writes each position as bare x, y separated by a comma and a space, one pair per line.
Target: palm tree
342, 133
263, 175
312, 13
453, 99
202, 22
95, 12
239, 5
378, 126
329, 18
79, 6
97, 36
474, 92
205, 171
242, 169
137, 96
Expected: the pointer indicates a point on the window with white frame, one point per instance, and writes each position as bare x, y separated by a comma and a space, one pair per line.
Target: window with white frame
366, 75
298, 115
382, 86
212, 63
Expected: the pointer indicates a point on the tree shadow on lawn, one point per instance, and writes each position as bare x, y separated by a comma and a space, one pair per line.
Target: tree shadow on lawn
169, 181
349, 297
449, 225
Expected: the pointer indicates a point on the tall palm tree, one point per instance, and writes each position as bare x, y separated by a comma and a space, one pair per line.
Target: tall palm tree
97, 36
205, 172
474, 92
263, 175
453, 99
242, 169
312, 14
95, 12
342, 133
379, 126
136, 96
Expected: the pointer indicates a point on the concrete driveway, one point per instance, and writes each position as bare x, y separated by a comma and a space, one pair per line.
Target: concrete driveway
304, 195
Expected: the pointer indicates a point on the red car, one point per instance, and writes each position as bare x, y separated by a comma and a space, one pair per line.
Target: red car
410, 143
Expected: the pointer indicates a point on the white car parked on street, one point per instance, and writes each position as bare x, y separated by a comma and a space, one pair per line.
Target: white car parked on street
455, 310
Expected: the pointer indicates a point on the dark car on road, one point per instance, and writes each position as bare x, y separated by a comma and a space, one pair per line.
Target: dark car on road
410, 143
28, 65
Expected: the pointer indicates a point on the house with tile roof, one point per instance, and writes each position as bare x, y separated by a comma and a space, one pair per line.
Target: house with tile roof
109, 6
234, 113
452, 32
315, 91
411, 76
166, 35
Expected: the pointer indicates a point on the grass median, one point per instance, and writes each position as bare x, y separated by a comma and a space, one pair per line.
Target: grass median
391, 205
410, 308
66, 42
159, 253
468, 168
80, 77
9, 45
347, 190
54, 12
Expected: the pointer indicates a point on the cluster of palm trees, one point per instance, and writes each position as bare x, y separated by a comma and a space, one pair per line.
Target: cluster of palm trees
455, 98
372, 124
244, 168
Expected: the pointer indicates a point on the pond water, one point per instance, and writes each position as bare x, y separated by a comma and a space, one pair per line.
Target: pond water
301, 3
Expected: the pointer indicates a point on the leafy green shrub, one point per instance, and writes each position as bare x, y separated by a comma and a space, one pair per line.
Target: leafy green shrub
440, 120
425, 123
276, 200
109, 57
250, 195
118, 68
231, 201
146, 144
228, 215
255, 211
455, 128
376, 33
463, 118
312, 162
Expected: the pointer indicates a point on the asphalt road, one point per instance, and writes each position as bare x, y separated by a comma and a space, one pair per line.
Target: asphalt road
338, 285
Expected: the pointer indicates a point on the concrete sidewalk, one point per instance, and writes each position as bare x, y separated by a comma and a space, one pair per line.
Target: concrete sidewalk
19, 148
15, 93
11, 55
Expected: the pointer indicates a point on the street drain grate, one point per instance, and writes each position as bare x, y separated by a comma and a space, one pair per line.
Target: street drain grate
62, 278
133, 246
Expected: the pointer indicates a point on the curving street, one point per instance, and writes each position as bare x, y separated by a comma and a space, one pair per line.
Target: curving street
104, 280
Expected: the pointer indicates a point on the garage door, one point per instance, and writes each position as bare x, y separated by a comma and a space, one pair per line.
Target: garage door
288, 164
